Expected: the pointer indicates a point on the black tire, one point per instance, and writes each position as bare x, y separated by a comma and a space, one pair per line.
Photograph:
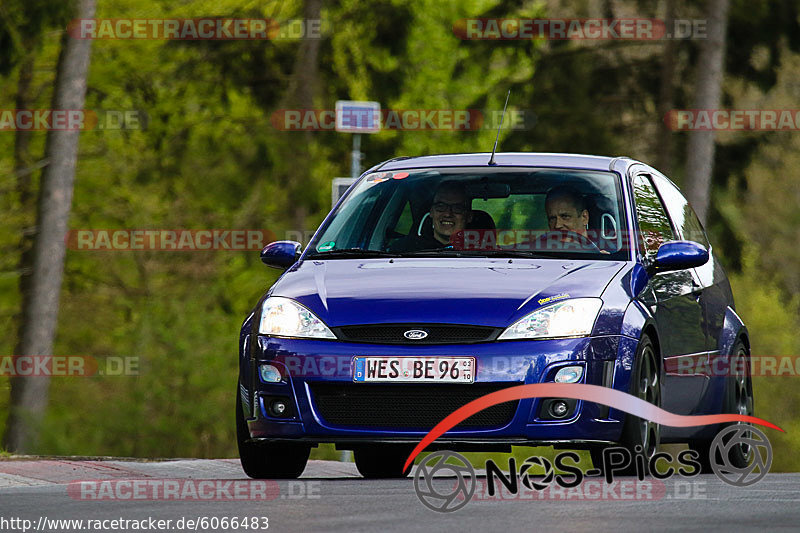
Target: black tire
642, 436
738, 400
268, 460
382, 461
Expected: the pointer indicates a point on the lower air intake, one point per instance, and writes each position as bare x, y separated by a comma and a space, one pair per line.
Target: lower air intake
406, 406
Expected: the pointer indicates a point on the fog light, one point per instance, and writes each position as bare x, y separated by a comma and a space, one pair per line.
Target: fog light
277, 408
559, 409
270, 374
569, 374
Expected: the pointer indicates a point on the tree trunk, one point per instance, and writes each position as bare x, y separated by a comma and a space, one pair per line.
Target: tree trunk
300, 93
666, 95
302, 85
708, 87
23, 169
29, 395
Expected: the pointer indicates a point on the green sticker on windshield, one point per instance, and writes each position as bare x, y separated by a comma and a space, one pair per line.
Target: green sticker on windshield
324, 247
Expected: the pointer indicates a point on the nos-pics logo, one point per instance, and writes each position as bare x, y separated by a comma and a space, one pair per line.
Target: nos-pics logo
445, 481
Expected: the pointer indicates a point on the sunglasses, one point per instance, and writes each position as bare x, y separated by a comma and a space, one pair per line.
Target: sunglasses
456, 209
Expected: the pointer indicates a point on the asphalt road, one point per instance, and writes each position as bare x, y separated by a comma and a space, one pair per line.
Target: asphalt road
331, 497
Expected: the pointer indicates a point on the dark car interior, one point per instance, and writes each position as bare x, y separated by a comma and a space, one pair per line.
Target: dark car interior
496, 205
382, 211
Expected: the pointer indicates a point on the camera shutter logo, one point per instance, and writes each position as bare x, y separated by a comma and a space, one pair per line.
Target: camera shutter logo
756, 448
450, 464
532, 481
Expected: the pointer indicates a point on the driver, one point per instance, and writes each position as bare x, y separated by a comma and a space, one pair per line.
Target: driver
450, 213
566, 210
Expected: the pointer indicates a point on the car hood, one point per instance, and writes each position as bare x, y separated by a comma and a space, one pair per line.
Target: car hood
479, 291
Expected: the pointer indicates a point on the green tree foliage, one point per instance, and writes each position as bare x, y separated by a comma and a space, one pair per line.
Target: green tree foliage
210, 158
772, 319
22, 23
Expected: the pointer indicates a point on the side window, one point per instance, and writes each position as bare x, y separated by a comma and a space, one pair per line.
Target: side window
654, 223
348, 226
681, 212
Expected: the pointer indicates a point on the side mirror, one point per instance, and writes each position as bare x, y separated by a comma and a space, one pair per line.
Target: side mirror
679, 255
281, 254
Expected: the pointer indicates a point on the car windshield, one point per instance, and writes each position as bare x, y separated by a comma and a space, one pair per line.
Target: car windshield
478, 212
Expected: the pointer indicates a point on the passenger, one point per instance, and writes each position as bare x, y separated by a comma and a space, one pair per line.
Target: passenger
449, 213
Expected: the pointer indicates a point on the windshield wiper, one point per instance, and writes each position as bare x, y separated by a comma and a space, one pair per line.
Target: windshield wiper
509, 253
433, 252
451, 252
355, 253
351, 253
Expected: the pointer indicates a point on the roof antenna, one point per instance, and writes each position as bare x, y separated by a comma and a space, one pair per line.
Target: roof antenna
491, 159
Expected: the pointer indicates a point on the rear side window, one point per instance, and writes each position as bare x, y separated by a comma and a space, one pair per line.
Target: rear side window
654, 224
681, 212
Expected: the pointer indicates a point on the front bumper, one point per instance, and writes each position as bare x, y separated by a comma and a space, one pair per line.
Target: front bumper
306, 363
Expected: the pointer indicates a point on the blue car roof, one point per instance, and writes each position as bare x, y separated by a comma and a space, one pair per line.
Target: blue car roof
510, 159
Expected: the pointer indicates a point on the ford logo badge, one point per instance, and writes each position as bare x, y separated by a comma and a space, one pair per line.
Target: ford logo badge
415, 334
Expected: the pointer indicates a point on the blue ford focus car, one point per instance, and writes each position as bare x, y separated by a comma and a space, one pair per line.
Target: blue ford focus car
436, 280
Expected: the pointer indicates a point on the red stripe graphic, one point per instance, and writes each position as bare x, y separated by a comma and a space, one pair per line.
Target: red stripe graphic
590, 393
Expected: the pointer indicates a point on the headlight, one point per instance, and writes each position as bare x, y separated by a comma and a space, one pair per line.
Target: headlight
570, 318
287, 318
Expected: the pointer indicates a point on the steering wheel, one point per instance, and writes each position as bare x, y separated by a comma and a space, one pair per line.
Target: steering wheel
573, 242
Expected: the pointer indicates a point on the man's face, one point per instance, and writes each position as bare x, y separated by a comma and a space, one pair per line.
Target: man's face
563, 216
449, 213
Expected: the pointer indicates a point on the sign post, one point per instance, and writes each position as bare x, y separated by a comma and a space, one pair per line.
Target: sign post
357, 118
355, 159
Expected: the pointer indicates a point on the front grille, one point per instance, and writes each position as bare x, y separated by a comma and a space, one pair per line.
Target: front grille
436, 333
406, 406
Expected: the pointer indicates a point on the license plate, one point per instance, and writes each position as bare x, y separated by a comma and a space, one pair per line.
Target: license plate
414, 369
